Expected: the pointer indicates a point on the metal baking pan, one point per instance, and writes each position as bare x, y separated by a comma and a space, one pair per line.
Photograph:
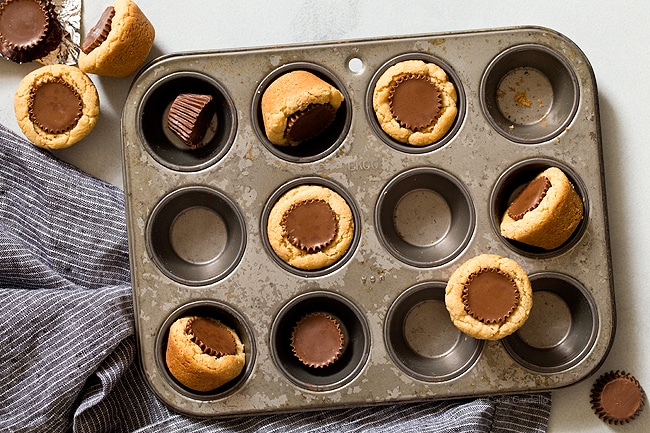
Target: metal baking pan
197, 237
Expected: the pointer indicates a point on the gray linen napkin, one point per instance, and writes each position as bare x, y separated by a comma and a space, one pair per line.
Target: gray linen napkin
67, 347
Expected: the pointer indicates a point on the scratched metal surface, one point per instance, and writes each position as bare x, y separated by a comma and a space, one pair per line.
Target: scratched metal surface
258, 288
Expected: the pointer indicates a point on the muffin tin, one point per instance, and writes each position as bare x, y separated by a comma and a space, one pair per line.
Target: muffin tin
196, 220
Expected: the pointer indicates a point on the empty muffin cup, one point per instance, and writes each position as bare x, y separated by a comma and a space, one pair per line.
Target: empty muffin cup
196, 235
355, 347
321, 145
166, 146
421, 339
513, 181
345, 218
529, 93
227, 316
562, 326
452, 78
424, 217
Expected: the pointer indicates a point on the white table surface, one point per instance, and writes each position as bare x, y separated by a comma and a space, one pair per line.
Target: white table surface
613, 35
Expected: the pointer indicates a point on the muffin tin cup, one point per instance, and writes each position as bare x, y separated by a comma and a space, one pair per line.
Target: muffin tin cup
229, 317
422, 340
311, 180
318, 147
424, 217
562, 327
452, 77
529, 93
418, 214
356, 337
512, 181
196, 235
168, 149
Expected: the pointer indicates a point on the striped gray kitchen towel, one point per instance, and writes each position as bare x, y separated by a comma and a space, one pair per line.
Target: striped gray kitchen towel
68, 359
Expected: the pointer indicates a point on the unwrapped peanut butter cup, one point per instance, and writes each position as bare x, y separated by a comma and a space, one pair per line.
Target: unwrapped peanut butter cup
415, 101
29, 29
617, 397
310, 122
211, 336
99, 32
490, 296
55, 106
529, 198
190, 116
317, 340
310, 225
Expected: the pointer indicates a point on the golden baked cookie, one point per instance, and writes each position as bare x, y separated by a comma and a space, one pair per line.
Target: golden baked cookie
298, 106
203, 353
489, 297
414, 102
119, 43
56, 106
310, 227
545, 213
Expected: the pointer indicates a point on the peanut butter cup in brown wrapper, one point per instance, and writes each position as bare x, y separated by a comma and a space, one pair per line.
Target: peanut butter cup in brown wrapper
317, 340
310, 122
29, 29
415, 101
490, 296
310, 225
55, 106
529, 198
617, 397
211, 336
189, 118
99, 32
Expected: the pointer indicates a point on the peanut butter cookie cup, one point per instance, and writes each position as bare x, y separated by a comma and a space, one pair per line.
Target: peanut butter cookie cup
545, 213
56, 106
119, 43
297, 107
414, 102
489, 297
203, 353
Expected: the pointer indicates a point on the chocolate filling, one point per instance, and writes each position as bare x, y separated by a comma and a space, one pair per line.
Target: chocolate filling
490, 295
317, 340
529, 198
99, 32
55, 106
310, 225
617, 397
310, 122
212, 337
189, 117
415, 101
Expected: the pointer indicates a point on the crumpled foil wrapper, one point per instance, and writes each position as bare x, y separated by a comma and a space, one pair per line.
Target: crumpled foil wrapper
69, 15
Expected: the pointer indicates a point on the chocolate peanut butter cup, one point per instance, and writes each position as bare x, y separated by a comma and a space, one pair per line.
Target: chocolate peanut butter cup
317, 340
617, 397
29, 29
189, 117
55, 106
310, 122
490, 296
99, 32
529, 198
310, 225
211, 336
415, 101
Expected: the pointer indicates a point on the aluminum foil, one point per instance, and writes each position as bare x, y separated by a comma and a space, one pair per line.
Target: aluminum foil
69, 16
